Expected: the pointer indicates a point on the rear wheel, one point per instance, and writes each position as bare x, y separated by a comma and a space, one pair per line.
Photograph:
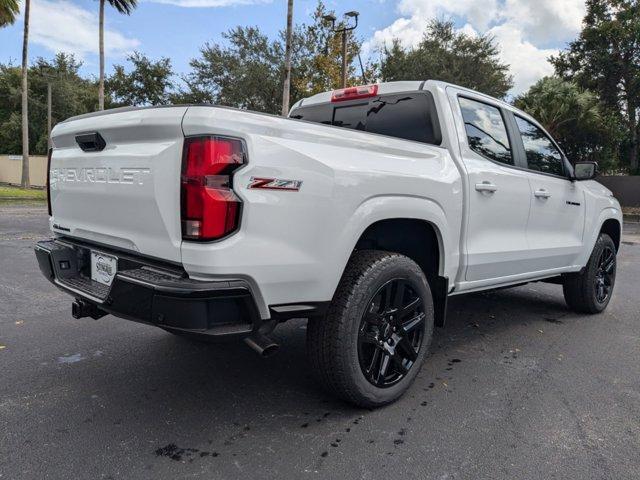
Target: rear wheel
590, 290
375, 336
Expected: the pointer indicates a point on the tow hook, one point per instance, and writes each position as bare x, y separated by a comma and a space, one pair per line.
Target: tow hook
82, 309
261, 344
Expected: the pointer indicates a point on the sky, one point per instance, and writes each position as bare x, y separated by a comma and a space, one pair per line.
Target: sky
527, 32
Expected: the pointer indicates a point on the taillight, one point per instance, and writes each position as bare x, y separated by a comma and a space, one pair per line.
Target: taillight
209, 207
354, 93
49, 180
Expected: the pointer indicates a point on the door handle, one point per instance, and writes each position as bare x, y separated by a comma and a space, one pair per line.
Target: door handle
542, 193
486, 187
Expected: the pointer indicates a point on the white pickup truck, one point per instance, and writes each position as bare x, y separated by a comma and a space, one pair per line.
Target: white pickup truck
363, 212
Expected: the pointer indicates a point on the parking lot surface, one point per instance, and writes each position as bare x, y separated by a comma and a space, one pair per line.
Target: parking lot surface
516, 387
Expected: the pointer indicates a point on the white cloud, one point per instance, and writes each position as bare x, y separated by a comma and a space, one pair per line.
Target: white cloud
62, 26
524, 29
479, 13
545, 21
209, 3
528, 63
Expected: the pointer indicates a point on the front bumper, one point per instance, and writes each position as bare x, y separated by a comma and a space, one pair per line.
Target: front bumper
151, 292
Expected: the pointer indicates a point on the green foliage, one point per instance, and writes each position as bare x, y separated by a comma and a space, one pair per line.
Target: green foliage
148, 82
71, 95
10, 110
245, 74
9, 10
15, 193
450, 56
576, 118
317, 65
123, 6
248, 72
606, 59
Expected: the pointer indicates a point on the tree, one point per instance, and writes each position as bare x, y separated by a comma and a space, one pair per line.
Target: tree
71, 95
456, 57
9, 10
606, 59
576, 118
148, 83
25, 98
247, 73
318, 56
124, 7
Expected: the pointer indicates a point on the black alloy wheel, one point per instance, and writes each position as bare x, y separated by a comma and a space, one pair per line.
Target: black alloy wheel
591, 289
375, 336
604, 274
391, 333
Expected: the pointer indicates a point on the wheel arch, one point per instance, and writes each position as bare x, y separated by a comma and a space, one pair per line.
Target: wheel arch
376, 216
419, 240
609, 221
612, 227
415, 238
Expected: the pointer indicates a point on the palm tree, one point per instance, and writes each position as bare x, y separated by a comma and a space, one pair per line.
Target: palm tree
25, 98
9, 10
124, 7
556, 103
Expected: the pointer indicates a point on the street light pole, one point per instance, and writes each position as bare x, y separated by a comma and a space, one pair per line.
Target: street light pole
50, 78
344, 30
48, 115
344, 59
286, 89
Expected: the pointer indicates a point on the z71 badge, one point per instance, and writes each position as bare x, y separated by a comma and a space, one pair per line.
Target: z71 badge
275, 184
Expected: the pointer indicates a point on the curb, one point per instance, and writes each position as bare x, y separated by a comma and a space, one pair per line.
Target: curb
631, 218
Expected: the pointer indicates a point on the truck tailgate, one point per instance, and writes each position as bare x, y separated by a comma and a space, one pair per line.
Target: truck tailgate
126, 195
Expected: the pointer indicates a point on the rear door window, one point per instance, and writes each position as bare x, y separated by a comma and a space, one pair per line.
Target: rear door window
486, 130
411, 116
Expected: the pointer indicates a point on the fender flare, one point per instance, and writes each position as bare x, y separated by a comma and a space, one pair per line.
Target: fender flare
608, 213
389, 207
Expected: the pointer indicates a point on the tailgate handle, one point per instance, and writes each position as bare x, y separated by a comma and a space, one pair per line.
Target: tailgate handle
91, 142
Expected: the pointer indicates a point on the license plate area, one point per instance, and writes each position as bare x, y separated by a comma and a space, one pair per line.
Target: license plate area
103, 267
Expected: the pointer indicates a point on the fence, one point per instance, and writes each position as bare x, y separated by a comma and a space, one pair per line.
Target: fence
626, 189
11, 169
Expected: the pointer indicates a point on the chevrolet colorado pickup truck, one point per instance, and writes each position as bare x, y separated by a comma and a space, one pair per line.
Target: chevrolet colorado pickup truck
363, 212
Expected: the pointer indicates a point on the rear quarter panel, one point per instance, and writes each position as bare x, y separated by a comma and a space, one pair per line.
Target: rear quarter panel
293, 246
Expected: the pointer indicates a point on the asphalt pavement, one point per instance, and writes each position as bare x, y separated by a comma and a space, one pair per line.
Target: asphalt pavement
516, 387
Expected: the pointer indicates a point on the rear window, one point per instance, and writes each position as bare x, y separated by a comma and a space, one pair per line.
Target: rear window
411, 116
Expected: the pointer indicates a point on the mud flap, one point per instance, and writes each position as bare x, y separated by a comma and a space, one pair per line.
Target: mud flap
440, 292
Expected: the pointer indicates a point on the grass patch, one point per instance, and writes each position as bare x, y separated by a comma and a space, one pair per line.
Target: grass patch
17, 193
631, 210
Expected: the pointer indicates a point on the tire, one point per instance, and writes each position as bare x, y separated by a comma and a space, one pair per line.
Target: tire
583, 291
342, 346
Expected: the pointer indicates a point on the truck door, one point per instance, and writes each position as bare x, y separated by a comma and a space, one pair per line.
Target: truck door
498, 197
556, 222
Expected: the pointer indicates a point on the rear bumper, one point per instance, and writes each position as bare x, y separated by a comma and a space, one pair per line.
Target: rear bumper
150, 292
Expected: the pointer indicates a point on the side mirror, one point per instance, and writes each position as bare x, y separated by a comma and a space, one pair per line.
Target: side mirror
585, 170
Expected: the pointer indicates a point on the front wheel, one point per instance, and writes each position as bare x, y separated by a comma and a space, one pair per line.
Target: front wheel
590, 290
375, 336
